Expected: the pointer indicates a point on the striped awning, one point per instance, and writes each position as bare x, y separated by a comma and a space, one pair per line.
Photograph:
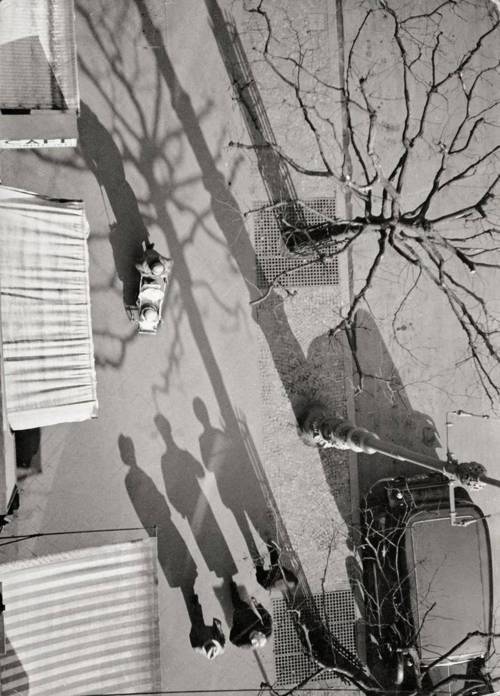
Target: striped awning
82, 623
47, 345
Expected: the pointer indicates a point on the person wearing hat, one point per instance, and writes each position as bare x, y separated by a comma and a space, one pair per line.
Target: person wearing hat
208, 641
252, 624
153, 264
277, 577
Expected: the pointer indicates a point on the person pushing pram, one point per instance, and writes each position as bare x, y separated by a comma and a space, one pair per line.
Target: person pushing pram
153, 264
155, 271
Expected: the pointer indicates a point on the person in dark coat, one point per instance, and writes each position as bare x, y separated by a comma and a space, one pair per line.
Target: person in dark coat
277, 577
153, 264
252, 624
208, 641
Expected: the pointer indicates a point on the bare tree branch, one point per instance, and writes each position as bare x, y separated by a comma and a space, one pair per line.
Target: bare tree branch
441, 106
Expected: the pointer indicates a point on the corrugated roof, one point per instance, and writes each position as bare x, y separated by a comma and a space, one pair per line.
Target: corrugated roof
82, 622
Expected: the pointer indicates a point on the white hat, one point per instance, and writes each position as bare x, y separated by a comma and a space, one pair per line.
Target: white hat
257, 639
212, 648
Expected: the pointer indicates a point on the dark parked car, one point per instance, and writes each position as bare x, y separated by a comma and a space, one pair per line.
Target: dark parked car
427, 580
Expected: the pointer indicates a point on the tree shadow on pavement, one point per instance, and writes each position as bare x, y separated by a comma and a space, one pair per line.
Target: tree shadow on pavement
128, 233
239, 488
161, 194
270, 315
151, 507
302, 376
182, 474
146, 149
272, 168
229, 219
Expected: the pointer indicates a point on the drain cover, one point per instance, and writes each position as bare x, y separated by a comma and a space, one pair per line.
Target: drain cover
272, 257
291, 660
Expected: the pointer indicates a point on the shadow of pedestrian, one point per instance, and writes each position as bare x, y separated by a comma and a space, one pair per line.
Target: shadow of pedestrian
126, 236
240, 491
182, 474
151, 507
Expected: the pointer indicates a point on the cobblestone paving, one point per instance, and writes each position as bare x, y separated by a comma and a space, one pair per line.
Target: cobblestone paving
298, 362
312, 490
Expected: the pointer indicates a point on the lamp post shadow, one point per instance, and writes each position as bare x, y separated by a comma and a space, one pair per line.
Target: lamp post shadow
382, 406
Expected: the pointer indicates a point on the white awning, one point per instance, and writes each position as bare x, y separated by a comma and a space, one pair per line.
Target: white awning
82, 622
48, 356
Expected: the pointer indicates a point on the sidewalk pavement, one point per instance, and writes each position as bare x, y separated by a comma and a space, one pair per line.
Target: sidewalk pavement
299, 362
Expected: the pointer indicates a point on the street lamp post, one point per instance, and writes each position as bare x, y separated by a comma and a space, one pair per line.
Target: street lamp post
321, 429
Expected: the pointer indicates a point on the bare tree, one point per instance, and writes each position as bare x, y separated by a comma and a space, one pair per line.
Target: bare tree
410, 133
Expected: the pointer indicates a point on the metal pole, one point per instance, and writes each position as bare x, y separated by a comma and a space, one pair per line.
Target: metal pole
319, 429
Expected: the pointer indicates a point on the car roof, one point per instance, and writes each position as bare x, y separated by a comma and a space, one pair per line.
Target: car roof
450, 578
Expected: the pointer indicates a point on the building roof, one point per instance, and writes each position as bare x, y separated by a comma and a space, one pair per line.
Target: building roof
82, 622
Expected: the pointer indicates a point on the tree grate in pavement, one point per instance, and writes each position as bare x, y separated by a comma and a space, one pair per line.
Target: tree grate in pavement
291, 660
273, 259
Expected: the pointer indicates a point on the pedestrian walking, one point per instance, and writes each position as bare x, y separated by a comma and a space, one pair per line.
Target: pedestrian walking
153, 264
277, 576
252, 623
208, 641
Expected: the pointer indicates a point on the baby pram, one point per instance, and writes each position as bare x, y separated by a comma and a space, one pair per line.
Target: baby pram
154, 270
150, 303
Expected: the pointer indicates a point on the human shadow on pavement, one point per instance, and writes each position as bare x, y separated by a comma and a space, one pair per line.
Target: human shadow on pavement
229, 219
151, 507
296, 370
240, 491
127, 235
182, 474
271, 315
